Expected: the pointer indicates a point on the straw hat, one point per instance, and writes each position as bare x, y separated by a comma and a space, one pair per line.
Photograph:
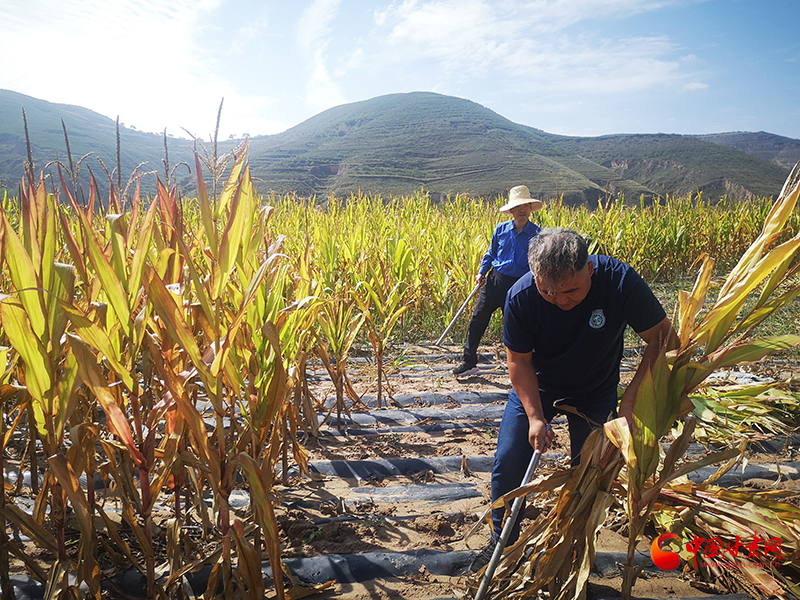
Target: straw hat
520, 195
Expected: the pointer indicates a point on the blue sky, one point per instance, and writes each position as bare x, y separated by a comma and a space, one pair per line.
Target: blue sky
573, 67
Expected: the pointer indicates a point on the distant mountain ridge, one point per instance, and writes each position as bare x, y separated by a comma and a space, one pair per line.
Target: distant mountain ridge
402, 143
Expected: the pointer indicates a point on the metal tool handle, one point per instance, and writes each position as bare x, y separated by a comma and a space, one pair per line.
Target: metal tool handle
501, 543
460, 310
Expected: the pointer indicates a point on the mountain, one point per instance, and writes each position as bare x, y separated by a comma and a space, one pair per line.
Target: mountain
780, 150
401, 143
92, 143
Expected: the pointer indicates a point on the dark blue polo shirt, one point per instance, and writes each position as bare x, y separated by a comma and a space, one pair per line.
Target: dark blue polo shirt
577, 353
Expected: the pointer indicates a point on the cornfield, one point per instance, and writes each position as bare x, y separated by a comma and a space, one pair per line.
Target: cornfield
155, 352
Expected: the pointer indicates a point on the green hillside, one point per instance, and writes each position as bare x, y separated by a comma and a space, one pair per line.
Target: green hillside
402, 143
679, 163
780, 150
89, 133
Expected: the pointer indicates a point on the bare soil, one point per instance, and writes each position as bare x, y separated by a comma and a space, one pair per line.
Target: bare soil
398, 526
333, 515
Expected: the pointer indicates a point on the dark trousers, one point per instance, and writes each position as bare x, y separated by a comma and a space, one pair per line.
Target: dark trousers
514, 451
491, 297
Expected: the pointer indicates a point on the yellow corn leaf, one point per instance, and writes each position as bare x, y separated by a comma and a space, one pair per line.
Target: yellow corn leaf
206, 212
200, 290
92, 376
78, 257
230, 188
264, 514
259, 494
716, 323
764, 581
773, 225
113, 289
33, 529
58, 584
619, 433
231, 237
95, 335
765, 309
134, 280
689, 305
301, 591
39, 371
170, 313
23, 275
249, 563
119, 248
69, 482
776, 278
751, 351
32, 207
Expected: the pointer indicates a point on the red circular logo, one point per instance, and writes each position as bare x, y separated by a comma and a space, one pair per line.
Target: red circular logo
666, 561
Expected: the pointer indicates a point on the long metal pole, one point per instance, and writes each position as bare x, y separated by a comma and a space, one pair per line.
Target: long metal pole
501, 543
460, 310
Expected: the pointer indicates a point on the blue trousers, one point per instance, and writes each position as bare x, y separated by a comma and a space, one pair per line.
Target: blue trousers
514, 451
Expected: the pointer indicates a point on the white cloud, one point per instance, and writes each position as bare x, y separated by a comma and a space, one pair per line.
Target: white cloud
313, 38
535, 42
695, 86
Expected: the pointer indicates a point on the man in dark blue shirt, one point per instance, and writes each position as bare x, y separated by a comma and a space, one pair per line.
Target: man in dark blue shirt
505, 261
563, 328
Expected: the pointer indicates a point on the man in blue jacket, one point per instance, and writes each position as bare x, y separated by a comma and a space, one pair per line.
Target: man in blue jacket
505, 261
563, 328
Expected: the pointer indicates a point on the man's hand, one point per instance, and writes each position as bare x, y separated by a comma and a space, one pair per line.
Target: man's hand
480, 279
540, 435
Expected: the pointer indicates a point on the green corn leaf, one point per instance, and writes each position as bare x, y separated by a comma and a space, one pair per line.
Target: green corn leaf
645, 437
233, 330
78, 257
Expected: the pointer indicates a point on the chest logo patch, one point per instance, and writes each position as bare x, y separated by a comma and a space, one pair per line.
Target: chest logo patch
597, 319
